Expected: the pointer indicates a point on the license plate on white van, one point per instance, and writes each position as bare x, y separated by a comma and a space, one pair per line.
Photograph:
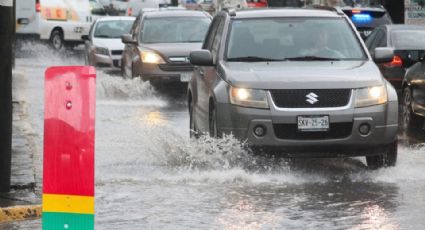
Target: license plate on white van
313, 123
185, 77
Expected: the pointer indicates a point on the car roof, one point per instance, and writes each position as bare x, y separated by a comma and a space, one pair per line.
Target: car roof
115, 18
395, 27
175, 13
284, 12
364, 8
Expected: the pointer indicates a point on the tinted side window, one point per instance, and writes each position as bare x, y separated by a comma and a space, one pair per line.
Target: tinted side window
377, 40
369, 41
383, 41
380, 38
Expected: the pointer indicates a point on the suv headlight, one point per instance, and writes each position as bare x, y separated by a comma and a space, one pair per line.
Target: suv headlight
375, 95
249, 97
102, 51
151, 57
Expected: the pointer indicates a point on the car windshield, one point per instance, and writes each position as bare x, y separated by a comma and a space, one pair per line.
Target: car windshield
175, 30
296, 39
112, 29
408, 40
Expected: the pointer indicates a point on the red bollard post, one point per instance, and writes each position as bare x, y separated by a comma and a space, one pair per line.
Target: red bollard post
69, 135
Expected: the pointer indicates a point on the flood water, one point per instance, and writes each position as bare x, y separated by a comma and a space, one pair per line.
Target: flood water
150, 175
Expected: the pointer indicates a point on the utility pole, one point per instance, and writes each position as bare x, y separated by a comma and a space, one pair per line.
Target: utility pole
7, 22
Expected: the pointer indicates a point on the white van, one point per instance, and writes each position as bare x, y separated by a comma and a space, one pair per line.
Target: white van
136, 6
61, 22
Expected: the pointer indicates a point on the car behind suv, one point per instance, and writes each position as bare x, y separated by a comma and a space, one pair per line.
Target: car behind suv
261, 77
159, 45
366, 19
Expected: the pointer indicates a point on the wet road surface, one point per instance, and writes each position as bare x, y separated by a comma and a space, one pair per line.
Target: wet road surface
149, 175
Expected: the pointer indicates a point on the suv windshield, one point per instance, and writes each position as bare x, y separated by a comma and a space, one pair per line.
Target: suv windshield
276, 39
112, 29
175, 30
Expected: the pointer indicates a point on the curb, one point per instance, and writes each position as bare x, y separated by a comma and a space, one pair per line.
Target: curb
18, 213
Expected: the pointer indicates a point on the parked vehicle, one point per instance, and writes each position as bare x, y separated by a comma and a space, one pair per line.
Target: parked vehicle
159, 44
103, 44
97, 10
134, 7
414, 95
60, 22
366, 19
115, 7
406, 40
263, 78
220, 5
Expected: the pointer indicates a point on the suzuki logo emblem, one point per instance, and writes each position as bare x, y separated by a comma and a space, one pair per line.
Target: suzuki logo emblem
312, 98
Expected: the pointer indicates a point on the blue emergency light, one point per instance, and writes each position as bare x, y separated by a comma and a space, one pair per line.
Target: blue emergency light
361, 18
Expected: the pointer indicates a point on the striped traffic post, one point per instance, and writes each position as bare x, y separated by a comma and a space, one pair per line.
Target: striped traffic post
69, 135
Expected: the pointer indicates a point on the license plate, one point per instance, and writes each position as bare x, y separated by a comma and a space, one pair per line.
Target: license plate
313, 123
185, 77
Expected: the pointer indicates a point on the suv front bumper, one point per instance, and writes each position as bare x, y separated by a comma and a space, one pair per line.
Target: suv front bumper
382, 120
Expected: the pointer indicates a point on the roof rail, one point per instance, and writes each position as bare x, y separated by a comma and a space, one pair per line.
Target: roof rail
328, 8
230, 11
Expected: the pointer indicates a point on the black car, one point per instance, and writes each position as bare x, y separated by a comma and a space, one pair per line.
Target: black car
414, 96
408, 42
366, 19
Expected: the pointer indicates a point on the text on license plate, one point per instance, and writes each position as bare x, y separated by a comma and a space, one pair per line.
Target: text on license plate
185, 77
313, 123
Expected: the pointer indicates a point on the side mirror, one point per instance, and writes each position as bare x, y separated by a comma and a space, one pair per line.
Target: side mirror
383, 54
128, 39
85, 37
201, 58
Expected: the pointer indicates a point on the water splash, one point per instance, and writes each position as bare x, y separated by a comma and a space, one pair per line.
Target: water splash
115, 87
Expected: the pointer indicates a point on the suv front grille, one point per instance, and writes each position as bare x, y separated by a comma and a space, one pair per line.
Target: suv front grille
176, 67
116, 52
310, 98
290, 132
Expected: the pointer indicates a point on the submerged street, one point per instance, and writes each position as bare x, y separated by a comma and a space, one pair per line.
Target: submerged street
150, 175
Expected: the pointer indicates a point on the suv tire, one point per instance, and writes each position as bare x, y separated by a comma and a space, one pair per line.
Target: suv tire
411, 121
56, 39
213, 122
193, 131
386, 159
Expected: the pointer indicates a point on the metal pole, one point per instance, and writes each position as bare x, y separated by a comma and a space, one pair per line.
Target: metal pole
6, 40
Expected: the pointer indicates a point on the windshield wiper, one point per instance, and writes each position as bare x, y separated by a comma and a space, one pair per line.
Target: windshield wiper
252, 59
312, 58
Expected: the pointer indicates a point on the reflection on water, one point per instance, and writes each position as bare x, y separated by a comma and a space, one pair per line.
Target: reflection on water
149, 175
310, 206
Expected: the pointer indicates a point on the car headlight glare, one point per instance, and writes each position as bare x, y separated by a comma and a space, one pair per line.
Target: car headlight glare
371, 96
249, 97
151, 57
102, 51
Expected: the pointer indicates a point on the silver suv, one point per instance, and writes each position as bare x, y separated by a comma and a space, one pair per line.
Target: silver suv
298, 82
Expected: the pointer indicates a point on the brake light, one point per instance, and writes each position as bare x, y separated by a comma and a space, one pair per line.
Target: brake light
356, 11
396, 62
37, 6
130, 11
